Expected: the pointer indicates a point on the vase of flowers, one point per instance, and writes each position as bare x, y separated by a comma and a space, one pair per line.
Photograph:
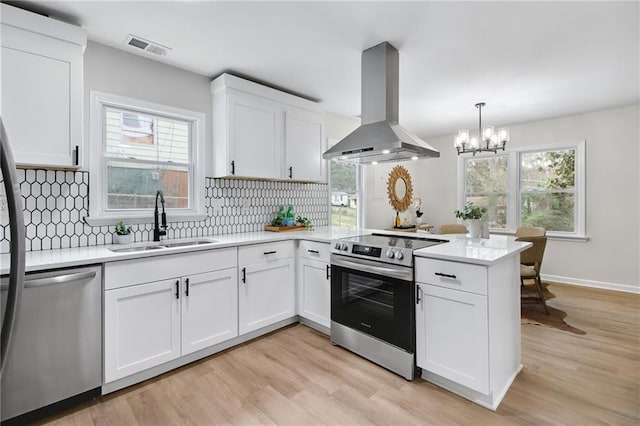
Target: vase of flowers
472, 215
123, 234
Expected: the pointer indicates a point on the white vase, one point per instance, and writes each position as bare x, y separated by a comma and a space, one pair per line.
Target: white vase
122, 239
475, 227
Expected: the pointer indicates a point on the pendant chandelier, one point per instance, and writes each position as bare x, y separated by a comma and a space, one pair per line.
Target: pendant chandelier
487, 140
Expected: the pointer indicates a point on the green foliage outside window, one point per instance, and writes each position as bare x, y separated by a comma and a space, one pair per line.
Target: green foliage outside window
548, 190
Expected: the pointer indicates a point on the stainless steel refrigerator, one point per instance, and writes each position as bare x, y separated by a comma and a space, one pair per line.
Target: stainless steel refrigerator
16, 226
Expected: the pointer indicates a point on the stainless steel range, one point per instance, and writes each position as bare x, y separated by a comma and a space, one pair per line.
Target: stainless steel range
373, 298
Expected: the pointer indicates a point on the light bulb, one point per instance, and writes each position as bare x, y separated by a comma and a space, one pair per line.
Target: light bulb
374, 162
473, 142
385, 151
487, 132
463, 136
414, 158
503, 135
494, 141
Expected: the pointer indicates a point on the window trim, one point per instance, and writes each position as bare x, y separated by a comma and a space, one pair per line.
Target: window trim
514, 193
98, 213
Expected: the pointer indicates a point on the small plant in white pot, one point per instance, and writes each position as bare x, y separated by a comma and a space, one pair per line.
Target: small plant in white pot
123, 233
472, 215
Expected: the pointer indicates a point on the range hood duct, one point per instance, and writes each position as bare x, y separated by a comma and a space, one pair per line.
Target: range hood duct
380, 138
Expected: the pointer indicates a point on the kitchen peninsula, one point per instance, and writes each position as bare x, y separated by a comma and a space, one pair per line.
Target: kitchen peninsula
468, 316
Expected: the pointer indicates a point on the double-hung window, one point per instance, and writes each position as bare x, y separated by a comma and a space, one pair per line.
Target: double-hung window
140, 148
529, 186
486, 182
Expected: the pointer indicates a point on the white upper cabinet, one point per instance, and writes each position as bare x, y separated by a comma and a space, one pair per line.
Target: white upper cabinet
42, 84
255, 131
260, 132
304, 145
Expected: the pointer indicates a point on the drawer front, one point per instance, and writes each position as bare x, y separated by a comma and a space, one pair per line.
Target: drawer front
138, 271
314, 250
454, 275
267, 252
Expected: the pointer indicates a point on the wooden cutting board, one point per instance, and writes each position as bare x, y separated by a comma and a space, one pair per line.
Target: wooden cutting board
283, 228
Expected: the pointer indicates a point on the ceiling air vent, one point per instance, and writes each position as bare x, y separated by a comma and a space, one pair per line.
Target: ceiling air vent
147, 46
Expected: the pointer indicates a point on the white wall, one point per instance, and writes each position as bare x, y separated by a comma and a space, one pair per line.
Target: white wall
611, 257
337, 126
114, 71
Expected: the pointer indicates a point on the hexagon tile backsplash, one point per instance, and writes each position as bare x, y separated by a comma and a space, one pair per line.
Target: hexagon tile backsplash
55, 203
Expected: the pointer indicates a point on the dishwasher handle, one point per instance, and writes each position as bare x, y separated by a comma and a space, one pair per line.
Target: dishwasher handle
56, 279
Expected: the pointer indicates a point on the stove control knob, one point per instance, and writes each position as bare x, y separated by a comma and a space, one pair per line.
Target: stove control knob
390, 254
399, 255
344, 247
337, 246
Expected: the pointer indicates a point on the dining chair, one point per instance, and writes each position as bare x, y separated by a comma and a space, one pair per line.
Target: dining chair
530, 231
453, 228
531, 262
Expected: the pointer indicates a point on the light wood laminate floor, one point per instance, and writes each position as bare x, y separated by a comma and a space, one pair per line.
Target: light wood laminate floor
295, 376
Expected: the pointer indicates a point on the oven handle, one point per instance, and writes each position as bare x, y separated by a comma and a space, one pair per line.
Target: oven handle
402, 273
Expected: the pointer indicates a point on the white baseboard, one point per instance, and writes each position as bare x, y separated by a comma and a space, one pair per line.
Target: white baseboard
591, 283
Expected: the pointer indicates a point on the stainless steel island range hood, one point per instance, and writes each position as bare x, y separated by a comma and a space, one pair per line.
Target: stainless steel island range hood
380, 138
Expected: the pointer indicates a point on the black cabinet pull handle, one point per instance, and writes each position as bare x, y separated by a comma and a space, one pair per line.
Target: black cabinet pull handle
233, 167
244, 275
77, 159
186, 291
440, 274
314, 251
328, 271
270, 252
177, 289
291, 172
418, 298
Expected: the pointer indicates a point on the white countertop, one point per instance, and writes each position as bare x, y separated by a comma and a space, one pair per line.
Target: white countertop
461, 248
77, 256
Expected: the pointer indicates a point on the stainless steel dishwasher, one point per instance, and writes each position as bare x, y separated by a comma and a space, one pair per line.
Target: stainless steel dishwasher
56, 357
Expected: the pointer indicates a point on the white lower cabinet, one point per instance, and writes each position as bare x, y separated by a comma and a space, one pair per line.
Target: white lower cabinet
266, 291
468, 327
209, 309
150, 323
141, 327
314, 282
452, 330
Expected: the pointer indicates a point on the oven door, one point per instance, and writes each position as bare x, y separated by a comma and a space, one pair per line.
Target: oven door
374, 298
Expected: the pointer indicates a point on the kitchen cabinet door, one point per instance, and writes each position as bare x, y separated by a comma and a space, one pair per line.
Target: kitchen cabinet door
315, 291
141, 327
255, 136
304, 145
452, 337
209, 309
266, 294
42, 75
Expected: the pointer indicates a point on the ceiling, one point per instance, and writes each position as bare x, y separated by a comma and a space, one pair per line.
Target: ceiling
527, 60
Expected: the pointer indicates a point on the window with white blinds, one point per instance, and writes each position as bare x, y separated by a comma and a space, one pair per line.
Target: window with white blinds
145, 148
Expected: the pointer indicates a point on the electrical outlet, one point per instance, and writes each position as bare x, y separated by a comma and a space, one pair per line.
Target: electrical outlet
4, 213
216, 205
246, 203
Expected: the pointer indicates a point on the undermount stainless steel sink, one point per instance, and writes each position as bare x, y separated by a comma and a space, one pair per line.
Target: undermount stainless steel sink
189, 243
138, 248
161, 246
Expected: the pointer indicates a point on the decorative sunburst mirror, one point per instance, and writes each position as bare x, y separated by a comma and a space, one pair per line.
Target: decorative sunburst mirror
399, 188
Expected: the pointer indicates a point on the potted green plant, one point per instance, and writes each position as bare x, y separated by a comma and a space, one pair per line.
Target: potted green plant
123, 233
472, 215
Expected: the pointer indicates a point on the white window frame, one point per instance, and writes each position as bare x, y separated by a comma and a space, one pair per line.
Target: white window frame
514, 193
98, 213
